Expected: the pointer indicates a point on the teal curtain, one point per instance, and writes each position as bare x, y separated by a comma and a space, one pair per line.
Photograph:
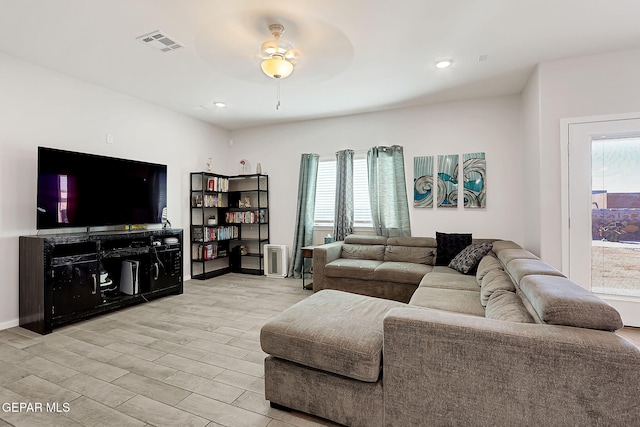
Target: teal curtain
388, 191
303, 235
343, 219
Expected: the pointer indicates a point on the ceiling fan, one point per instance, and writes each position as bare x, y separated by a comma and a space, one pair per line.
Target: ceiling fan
278, 57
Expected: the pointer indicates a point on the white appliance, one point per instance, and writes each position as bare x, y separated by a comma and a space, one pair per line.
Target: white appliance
129, 277
275, 260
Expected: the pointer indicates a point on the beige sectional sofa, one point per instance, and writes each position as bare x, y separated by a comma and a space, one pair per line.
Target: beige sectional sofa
515, 343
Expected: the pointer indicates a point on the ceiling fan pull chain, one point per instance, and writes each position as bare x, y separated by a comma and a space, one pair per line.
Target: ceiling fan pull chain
278, 94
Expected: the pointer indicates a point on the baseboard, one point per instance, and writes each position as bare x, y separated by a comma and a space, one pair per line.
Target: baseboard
185, 278
9, 324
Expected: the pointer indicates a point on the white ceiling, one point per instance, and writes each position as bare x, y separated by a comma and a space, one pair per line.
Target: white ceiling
357, 55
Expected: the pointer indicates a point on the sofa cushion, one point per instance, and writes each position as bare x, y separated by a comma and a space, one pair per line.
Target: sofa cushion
351, 268
450, 245
332, 331
453, 300
365, 239
508, 255
493, 281
401, 272
507, 306
424, 255
560, 301
467, 261
518, 268
357, 251
420, 242
487, 263
449, 281
501, 245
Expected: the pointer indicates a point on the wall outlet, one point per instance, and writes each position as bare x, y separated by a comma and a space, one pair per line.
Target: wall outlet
109, 138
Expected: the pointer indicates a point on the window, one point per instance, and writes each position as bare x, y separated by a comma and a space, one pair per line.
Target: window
326, 193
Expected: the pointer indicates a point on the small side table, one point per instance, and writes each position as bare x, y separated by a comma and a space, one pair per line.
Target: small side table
307, 253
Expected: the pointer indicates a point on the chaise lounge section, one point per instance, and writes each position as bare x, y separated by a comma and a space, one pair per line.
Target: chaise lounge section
516, 343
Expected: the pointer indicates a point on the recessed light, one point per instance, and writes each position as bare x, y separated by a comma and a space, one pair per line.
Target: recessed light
444, 64
219, 104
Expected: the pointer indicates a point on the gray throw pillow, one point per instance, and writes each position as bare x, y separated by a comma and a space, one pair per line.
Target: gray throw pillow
467, 260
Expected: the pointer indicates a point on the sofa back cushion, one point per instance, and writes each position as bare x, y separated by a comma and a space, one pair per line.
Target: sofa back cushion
365, 239
487, 263
507, 255
493, 281
504, 244
420, 242
507, 306
356, 251
560, 301
521, 267
416, 255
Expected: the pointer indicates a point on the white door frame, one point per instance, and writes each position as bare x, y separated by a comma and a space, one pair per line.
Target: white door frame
626, 306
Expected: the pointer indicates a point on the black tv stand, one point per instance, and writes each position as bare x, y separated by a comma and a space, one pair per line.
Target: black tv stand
60, 274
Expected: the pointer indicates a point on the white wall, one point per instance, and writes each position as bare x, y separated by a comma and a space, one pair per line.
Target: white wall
491, 125
42, 107
574, 87
531, 163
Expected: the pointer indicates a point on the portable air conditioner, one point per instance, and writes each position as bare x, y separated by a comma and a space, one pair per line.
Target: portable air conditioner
275, 260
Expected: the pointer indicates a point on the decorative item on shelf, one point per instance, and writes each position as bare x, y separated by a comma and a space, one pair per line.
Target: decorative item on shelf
212, 220
247, 202
210, 165
258, 168
245, 166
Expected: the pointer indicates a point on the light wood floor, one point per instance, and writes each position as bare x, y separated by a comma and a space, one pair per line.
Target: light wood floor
188, 360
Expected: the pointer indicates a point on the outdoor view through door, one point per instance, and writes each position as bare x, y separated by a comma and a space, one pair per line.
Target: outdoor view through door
615, 216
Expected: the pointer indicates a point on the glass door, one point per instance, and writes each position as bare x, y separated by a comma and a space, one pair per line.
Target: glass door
604, 211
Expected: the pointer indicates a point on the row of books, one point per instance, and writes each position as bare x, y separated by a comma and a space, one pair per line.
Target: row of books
208, 252
208, 201
217, 184
249, 217
207, 234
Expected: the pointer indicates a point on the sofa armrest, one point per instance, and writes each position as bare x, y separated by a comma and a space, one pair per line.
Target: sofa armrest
442, 368
323, 255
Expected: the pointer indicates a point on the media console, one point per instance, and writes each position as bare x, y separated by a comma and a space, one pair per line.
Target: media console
68, 277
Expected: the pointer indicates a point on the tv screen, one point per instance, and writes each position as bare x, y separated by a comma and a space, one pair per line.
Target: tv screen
86, 190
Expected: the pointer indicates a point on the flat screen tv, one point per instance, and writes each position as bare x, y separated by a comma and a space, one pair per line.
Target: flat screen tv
86, 190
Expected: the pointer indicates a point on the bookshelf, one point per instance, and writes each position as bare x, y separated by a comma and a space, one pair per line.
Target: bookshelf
229, 223
249, 210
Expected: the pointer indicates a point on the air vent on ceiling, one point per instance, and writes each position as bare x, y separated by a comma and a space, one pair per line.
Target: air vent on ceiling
159, 40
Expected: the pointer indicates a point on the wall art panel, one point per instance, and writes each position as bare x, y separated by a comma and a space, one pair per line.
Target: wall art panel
423, 189
447, 192
474, 172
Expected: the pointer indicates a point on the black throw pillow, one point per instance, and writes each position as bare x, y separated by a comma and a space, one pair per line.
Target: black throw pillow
450, 245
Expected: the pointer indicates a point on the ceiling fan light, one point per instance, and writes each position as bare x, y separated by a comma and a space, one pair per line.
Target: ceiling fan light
277, 67
273, 47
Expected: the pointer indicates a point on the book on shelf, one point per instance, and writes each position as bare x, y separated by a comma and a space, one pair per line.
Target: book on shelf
249, 217
217, 183
208, 252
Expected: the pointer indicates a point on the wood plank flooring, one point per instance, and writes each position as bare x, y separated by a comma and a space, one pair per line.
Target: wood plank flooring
187, 360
